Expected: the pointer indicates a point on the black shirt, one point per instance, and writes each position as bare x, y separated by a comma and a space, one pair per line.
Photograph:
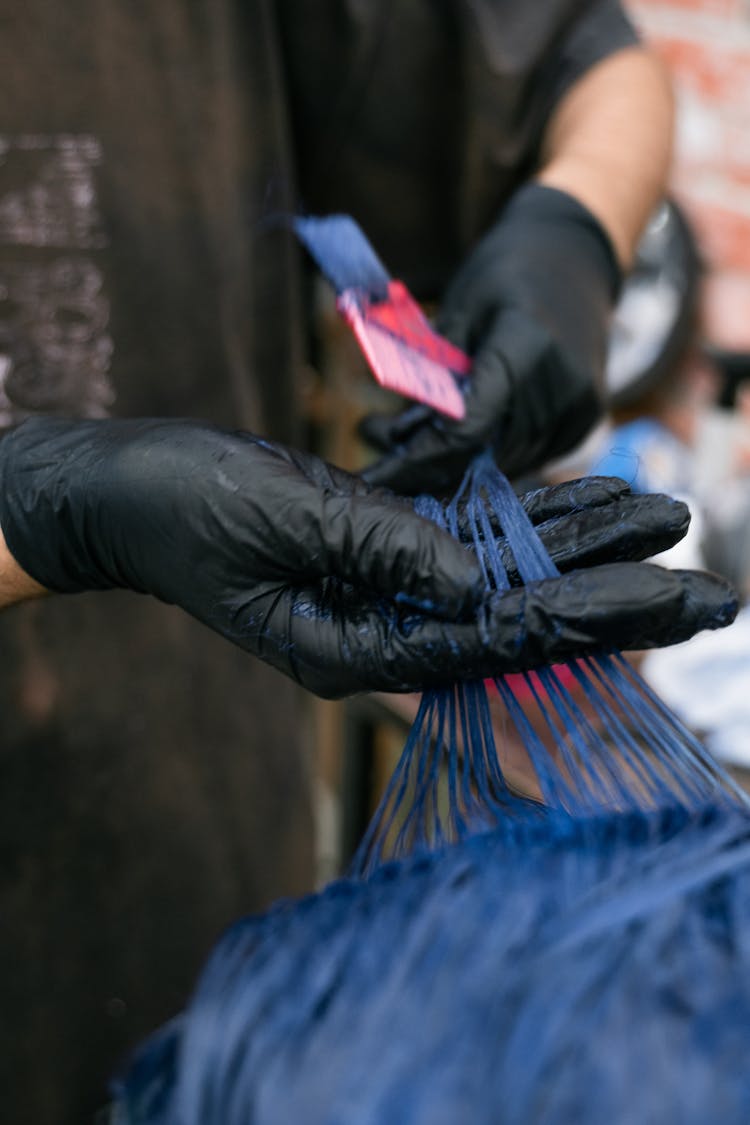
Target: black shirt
421, 117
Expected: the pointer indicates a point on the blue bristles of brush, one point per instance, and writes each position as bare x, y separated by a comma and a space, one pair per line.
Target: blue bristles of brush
343, 254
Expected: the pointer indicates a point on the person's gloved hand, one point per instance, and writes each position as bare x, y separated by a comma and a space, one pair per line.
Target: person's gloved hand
530, 306
308, 568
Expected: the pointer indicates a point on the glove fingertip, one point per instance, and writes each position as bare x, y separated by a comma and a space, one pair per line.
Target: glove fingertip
710, 602
391, 472
377, 431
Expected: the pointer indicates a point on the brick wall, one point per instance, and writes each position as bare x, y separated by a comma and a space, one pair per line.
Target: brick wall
706, 45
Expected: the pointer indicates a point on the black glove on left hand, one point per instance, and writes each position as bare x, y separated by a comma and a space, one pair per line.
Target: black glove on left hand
306, 567
531, 306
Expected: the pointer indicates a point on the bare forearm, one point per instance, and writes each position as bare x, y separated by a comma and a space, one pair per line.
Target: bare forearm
609, 144
15, 584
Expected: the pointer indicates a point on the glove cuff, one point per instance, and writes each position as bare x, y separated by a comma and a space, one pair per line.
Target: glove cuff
46, 523
538, 206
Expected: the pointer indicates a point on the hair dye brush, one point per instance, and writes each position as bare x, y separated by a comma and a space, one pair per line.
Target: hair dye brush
405, 353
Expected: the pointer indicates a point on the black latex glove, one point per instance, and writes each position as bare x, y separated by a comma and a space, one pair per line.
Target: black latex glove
531, 306
306, 567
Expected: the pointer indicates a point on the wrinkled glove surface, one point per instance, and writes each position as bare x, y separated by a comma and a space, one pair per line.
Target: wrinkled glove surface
342, 587
531, 306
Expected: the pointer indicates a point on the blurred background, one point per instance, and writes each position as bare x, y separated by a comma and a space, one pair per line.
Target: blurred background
706, 46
